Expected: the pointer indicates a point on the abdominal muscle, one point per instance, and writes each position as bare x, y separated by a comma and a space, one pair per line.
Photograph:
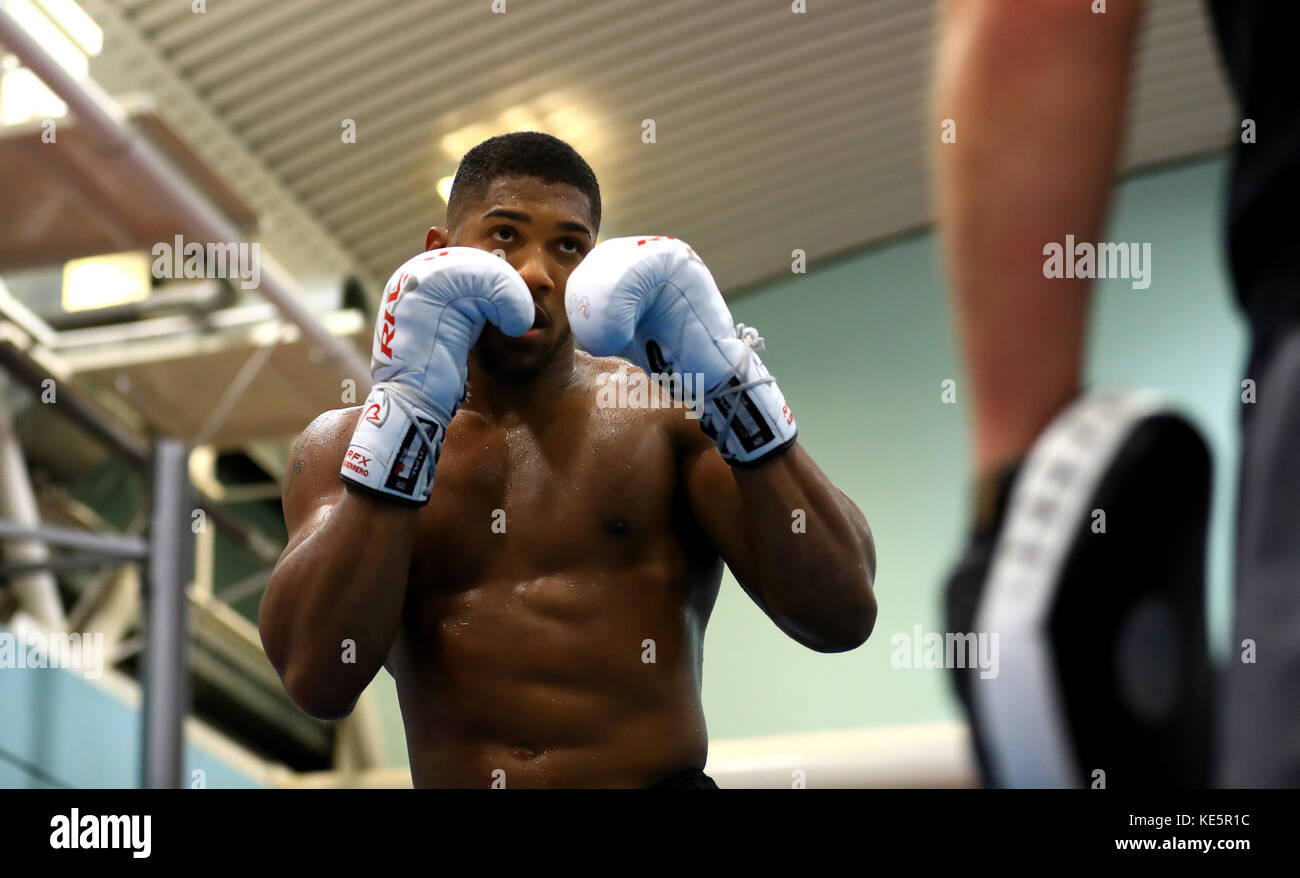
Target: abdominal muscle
581, 678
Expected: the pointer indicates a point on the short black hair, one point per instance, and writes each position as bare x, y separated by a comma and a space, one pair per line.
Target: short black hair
521, 154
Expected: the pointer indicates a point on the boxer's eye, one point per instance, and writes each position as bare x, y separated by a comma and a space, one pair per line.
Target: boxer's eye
504, 234
573, 243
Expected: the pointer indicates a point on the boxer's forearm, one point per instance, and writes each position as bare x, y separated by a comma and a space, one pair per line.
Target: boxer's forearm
1036, 95
811, 558
345, 582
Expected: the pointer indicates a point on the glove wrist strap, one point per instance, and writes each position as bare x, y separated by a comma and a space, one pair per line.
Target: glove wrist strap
394, 448
746, 415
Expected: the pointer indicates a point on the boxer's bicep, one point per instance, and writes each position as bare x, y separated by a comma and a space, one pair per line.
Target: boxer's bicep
311, 485
714, 499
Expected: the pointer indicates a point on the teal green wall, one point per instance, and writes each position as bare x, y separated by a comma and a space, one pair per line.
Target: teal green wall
60, 730
860, 348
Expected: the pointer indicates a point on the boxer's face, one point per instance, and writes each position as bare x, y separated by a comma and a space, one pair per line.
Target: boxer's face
543, 230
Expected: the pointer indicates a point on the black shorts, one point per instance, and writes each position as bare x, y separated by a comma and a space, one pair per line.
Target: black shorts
690, 779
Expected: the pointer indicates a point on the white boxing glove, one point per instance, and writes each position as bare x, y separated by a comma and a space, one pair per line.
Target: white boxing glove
653, 301
433, 310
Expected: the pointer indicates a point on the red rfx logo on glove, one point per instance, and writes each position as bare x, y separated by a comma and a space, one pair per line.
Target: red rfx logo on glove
388, 329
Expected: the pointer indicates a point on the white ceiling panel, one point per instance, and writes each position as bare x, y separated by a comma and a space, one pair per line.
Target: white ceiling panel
774, 130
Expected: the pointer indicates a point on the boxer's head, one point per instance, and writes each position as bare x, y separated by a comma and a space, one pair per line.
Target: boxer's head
533, 199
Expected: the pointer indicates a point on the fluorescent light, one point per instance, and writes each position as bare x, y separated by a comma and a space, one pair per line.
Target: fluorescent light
76, 24
24, 97
111, 279
64, 30
520, 119
562, 113
462, 140
444, 188
42, 29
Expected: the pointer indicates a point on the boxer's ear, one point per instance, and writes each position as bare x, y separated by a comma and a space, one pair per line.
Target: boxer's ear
436, 238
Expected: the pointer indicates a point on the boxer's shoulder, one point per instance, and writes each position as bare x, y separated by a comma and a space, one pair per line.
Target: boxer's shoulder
327, 430
334, 420
311, 483
320, 446
599, 369
605, 374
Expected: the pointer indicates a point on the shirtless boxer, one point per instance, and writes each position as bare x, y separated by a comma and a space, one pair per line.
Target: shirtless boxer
517, 588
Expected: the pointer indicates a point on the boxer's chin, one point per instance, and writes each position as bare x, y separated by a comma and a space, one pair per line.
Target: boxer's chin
516, 359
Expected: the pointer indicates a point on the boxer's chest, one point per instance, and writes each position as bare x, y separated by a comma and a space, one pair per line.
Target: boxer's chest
581, 485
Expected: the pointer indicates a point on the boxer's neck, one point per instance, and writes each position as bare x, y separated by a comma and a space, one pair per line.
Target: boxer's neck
498, 395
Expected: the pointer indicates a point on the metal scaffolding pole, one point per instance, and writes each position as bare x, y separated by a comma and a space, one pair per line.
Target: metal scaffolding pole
125, 548
36, 589
166, 661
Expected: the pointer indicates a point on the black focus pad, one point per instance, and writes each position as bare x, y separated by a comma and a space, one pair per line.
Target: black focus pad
1127, 628
962, 596
1120, 655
